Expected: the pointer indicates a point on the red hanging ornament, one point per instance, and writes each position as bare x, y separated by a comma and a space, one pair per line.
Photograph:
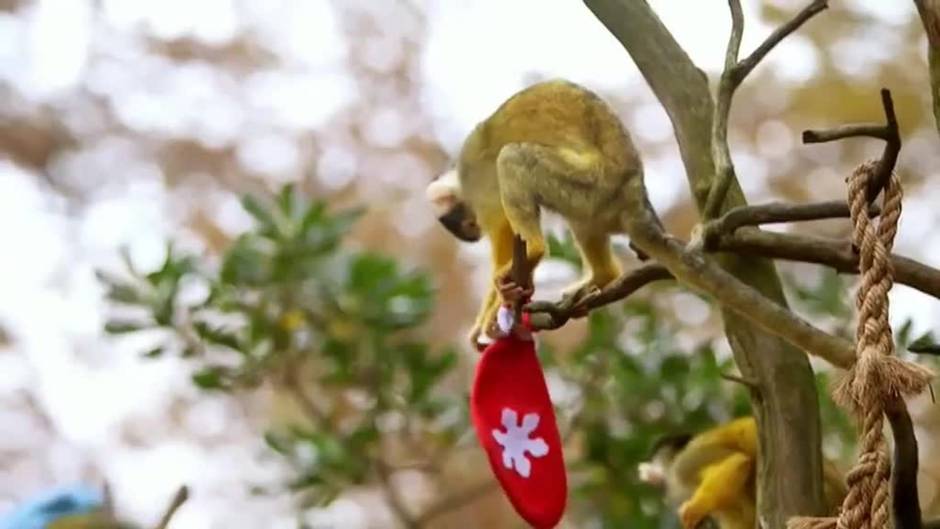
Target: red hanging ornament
515, 424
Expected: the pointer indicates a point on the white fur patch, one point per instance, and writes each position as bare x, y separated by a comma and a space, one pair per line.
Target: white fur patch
444, 191
651, 473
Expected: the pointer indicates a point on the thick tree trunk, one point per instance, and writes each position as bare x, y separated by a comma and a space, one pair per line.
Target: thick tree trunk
929, 11
786, 406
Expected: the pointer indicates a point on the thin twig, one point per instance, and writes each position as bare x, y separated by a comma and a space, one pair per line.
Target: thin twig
751, 61
456, 501
108, 499
889, 133
520, 273
182, 494
731, 78
860, 130
394, 497
552, 315
746, 382
307, 405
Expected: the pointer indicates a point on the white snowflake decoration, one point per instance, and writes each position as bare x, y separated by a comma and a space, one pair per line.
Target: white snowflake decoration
515, 441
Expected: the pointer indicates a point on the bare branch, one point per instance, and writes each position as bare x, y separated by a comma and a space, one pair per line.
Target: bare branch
737, 30
732, 77
520, 273
309, 408
929, 11
182, 494
696, 270
888, 132
393, 495
834, 253
751, 61
765, 348
773, 213
746, 382
864, 130
548, 315
456, 501
108, 500
724, 168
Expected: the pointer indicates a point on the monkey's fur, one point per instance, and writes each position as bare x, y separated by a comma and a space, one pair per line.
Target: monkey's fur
713, 475
553, 145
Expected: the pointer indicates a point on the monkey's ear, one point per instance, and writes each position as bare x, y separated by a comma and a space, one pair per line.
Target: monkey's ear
444, 191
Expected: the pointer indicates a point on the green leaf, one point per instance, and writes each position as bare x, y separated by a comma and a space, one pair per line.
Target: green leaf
926, 344
123, 326
260, 212
210, 378
565, 249
217, 335
277, 443
156, 352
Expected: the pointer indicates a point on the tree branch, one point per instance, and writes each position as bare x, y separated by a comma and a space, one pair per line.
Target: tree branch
456, 501
888, 132
548, 315
752, 385
834, 253
734, 74
773, 213
394, 497
182, 494
751, 61
748, 290
693, 268
929, 11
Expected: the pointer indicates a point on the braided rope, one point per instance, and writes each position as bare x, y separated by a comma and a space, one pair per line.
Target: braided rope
877, 375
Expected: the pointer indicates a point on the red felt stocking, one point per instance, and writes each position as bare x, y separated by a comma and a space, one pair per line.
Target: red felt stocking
515, 423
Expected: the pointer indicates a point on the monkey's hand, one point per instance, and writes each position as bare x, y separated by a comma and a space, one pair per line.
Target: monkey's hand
512, 293
691, 515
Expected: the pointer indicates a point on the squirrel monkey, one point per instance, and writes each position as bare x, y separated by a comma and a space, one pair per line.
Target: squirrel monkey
553, 145
713, 475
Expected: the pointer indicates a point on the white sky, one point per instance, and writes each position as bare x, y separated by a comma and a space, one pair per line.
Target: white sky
478, 53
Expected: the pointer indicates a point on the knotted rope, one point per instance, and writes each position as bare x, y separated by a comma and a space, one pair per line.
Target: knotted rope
877, 376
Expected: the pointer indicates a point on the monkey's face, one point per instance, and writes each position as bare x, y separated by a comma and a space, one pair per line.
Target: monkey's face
655, 471
453, 212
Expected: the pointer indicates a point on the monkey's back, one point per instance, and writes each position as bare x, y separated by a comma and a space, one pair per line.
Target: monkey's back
559, 113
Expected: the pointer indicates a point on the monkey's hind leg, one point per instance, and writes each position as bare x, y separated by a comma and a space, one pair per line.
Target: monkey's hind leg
601, 266
722, 487
519, 169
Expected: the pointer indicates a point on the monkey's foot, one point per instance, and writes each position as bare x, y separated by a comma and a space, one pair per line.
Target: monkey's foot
474, 338
577, 294
690, 516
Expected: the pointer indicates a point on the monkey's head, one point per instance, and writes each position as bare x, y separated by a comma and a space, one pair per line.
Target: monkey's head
655, 470
452, 210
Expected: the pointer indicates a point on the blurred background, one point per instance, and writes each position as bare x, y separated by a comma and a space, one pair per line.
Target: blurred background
218, 267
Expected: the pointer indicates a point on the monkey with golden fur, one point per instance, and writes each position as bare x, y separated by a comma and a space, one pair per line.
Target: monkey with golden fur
713, 475
554, 145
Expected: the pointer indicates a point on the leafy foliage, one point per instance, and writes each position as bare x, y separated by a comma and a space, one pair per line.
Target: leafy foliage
334, 328
289, 304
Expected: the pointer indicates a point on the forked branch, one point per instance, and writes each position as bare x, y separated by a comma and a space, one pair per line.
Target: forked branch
888, 132
734, 74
